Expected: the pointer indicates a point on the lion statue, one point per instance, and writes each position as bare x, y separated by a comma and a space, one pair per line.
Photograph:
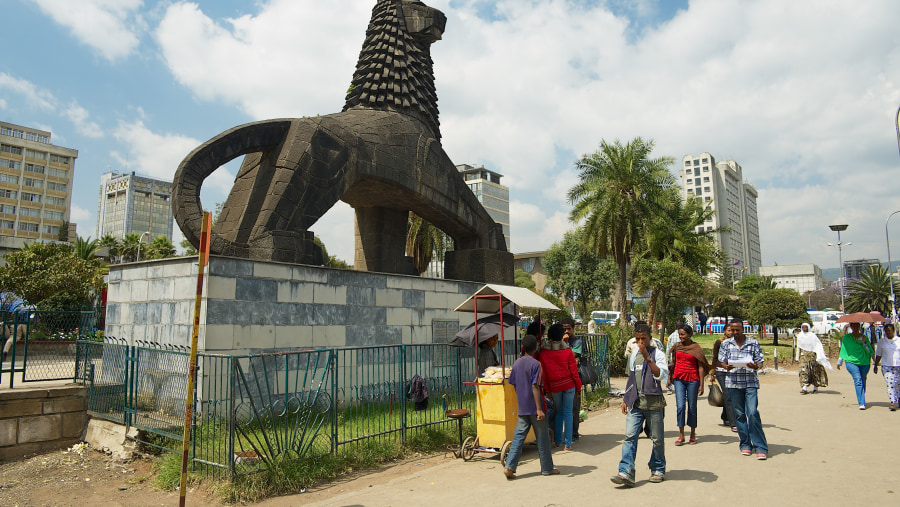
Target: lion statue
381, 155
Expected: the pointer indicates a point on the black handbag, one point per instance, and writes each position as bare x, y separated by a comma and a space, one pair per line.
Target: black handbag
587, 371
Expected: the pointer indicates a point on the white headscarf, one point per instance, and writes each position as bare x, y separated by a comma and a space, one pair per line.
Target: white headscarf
807, 340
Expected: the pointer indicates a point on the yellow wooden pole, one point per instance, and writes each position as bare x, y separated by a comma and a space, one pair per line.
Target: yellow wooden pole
203, 259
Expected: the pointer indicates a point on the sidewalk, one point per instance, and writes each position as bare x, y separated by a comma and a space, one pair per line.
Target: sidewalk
822, 450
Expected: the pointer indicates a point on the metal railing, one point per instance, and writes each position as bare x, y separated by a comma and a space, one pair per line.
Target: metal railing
252, 411
41, 345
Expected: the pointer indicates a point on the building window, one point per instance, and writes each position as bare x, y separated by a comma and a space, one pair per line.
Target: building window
9, 178
53, 215
706, 179
7, 224
58, 187
696, 162
30, 212
690, 191
59, 159
707, 198
31, 197
706, 169
55, 201
705, 160
12, 164
51, 229
690, 181
36, 154
31, 182
27, 226
58, 173
32, 168
14, 150
8, 208
9, 194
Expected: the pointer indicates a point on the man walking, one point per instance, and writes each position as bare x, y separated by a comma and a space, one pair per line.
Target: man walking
527, 378
644, 400
741, 356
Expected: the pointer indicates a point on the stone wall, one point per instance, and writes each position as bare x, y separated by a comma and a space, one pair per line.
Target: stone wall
253, 306
42, 419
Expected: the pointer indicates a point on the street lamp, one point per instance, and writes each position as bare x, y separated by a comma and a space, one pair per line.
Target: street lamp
887, 239
141, 240
838, 229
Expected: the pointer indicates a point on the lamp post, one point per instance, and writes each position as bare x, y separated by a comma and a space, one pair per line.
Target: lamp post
887, 239
141, 240
838, 229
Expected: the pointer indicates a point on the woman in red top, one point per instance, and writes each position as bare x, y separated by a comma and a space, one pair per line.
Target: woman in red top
688, 372
562, 381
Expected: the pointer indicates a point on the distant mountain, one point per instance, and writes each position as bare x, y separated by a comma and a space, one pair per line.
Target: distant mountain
834, 273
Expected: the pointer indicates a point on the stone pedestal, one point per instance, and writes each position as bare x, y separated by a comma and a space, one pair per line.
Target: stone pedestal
483, 265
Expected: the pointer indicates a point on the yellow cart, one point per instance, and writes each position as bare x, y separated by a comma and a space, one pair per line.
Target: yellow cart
496, 408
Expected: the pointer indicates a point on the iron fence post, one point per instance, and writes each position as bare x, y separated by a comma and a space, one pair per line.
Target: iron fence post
232, 414
402, 393
334, 400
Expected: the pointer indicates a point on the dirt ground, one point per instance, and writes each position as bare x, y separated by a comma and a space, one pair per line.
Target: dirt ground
822, 449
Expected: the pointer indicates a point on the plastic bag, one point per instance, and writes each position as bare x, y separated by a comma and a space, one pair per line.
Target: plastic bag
715, 398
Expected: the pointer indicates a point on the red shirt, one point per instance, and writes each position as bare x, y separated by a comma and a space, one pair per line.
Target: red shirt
686, 367
560, 370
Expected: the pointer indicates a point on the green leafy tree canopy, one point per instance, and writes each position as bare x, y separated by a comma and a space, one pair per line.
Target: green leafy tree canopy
524, 280
51, 277
577, 274
779, 308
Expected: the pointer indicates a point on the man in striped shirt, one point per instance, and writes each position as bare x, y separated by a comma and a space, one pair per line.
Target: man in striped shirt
742, 356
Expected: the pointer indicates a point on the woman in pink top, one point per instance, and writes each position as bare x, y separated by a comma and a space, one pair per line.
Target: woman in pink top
689, 369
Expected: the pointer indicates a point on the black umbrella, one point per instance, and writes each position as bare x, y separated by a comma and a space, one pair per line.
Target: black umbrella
487, 327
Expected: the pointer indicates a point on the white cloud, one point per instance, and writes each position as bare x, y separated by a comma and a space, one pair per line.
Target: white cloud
766, 83
33, 95
2, 104
150, 153
108, 26
79, 215
79, 116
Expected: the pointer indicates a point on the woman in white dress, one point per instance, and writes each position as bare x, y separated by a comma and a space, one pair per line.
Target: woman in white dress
813, 361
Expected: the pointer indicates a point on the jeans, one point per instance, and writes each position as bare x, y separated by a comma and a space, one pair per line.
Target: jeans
728, 408
686, 394
525, 423
576, 415
749, 424
859, 372
634, 423
564, 401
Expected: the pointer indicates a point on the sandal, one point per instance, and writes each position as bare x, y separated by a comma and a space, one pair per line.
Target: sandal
693, 440
680, 441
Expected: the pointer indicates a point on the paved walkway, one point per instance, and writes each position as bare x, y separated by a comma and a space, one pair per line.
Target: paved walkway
823, 451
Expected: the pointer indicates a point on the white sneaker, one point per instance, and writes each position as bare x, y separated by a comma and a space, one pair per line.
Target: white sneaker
862, 407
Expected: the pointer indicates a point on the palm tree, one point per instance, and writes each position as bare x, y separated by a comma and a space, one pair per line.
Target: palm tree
129, 247
160, 247
86, 248
112, 244
618, 190
425, 242
871, 292
678, 233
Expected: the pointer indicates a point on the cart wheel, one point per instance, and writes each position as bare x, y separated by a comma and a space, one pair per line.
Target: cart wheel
468, 449
504, 452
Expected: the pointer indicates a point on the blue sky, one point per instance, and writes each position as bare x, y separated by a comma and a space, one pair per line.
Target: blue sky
802, 94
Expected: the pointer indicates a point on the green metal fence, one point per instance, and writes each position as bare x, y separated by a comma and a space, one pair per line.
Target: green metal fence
41, 345
253, 411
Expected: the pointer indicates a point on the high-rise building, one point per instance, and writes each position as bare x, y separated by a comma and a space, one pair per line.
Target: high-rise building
485, 184
490, 193
132, 203
802, 278
734, 200
35, 186
854, 270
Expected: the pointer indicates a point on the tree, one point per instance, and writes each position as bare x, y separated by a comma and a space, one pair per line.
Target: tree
524, 280
425, 242
829, 297
51, 277
549, 315
63, 234
330, 261
870, 292
750, 285
725, 303
667, 278
112, 244
779, 308
188, 249
618, 190
677, 232
160, 247
128, 249
577, 274
86, 248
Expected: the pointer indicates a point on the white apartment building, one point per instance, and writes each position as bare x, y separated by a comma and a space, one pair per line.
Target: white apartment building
722, 185
35, 186
802, 278
132, 203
